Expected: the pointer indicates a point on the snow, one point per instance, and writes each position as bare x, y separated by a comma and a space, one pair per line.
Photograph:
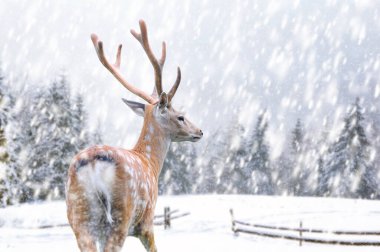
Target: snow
291, 59
208, 227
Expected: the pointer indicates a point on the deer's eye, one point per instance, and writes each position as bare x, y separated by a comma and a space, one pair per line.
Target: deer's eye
181, 118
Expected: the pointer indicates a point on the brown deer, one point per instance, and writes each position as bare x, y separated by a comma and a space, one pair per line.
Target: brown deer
112, 192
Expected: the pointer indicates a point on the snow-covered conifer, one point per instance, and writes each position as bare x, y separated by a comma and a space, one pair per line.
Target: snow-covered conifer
179, 165
348, 171
258, 165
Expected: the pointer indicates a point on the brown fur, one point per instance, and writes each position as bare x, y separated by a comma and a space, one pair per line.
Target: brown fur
123, 208
129, 204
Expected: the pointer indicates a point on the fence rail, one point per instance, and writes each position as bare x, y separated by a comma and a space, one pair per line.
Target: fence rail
161, 219
166, 218
241, 227
309, 230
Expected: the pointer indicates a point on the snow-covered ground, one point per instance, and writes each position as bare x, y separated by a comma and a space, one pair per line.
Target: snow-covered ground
207, 228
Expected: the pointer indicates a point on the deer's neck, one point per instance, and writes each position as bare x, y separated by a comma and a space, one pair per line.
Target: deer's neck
153, 145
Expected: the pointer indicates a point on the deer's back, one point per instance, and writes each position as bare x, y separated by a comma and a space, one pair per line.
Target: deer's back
113, 184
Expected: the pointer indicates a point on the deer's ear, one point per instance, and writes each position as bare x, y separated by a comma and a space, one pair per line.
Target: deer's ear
137, 107
163, 102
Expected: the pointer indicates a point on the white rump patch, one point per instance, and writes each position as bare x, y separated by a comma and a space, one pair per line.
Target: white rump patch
99, 181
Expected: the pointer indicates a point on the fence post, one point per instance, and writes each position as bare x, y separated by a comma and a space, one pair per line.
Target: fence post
166, 217
300, 233
233, 222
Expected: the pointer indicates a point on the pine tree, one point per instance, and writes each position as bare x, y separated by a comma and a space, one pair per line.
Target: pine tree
4, 111
64, 131
322, 148
297, 137
321, 187
375, 141
21, 134
349, 172
177, 174
214, 151
95, 137
298, 176
283, 174
192, 165
258, 165
48, 141
5, 107
47, 131
80, 136
231, 161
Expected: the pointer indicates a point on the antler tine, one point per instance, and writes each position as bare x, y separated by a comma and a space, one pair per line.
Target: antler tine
114, 69
175, 86
163, 55
157, 65
118, 56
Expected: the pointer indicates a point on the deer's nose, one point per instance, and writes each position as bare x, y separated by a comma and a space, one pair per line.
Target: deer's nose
201, 132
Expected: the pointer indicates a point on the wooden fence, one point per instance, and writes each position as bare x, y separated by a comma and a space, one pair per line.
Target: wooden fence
263, 230
163, 219
166, 218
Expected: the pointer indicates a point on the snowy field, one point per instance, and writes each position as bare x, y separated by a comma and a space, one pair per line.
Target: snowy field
207, 228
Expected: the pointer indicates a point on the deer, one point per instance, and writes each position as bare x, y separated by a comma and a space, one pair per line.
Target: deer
111, 192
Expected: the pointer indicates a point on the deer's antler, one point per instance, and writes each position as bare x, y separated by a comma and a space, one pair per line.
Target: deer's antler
158, 65
115, 69
175, 86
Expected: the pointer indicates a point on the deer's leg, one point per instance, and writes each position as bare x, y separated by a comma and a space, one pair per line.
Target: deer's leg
77, 209
122, 216
118, 234
116, 240
86, 242
147, 239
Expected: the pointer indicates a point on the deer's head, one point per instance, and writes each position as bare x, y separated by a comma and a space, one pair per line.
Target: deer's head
159, 109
